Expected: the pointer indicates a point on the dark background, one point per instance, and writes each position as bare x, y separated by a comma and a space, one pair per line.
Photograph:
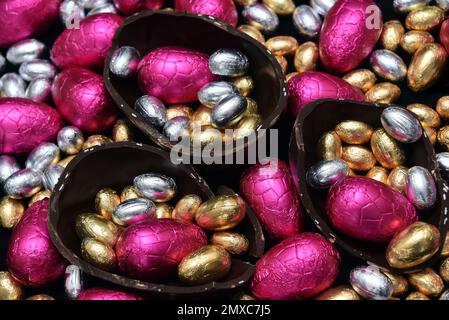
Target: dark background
231, 178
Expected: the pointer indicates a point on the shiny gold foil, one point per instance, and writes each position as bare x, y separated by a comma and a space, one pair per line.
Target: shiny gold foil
291, 75
163, 210
106, 201
282, 45
425, 18
443, 107
89, 225
329, 146
233, 242
205, 136
392, 34
96, 140
339, 293
306, 57
129, 192
445, 250
244, 3
11, 211
247, 126
187, 207
10, 289
358, 158
201, 116
431, 134
378, 173
98, 254
179, 110
354, 132
281, 7
244, 84
385, 92
400, 283
444, 270
243, 296
397, 178
416, 296
427, 281
387, 150
41, 297
122, 131
283, 63
64, 162
251, 107
413, 40
39, 196
363, 79
425, 114
252, 32
443, 137
210, 263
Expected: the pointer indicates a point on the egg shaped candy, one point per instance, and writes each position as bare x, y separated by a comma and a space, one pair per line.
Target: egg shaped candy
349, 34
106, 294
221, 9
88, 45
32, 258
444, 34
368, 210
25, 124
152, 250
129, 7
174, 74
299, 267
82, 99
310, 86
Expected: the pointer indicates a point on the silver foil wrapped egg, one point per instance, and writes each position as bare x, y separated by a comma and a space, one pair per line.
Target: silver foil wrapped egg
152, 109
51, 176
443, 163
8, 166
306, 21
25, 50
42, 156
39, 89
228, 62
12, 85
388, 65
445, 295
70, 140
404, 6
327, 172
91, 4
23, 184
71, 13
401, 124
371, 283
102, 8
156, 187
73, 281
133, 210
177, 128
420, 188
261, 17
213, 92
443, 4
37, 68
322, 7
2, 64
229, 111
124, 62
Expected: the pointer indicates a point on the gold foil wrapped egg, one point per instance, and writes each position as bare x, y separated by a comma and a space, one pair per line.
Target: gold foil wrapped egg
444, 270
425, 114
129, 192
385, 92
244, 3
179, 110
122, 131
358, 158
252, 32
413, 40
41, 297
431, 134
244, 84
106, 201
397, 179
209, 263
89, 225
187, 207
10, 289
400, 283
443, 107
205, 135
413, 245
64, 162
378, 173
354, 132
443, 137
392, 33
291, 75
233, 242
98, 254
283, 63
363, 79
247, 126
426, 67
387, 150
41, 195
281, 7
329, 146
425, 18
221, 212
339, 293
427, 281
243, 297
11, 211
96, 140
282, 45
163, 210
306, 57
445, 250
201, 116
416, 296
251, 107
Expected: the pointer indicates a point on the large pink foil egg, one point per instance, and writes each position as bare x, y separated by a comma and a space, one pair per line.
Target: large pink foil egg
129, 7
20, 19
309, 86
32, 258
24, 124
368, 210
444, 34
221, 9
174, 74
271, 194
106, 294
81, 97
88, 45
299, 267
350, 32
152, 250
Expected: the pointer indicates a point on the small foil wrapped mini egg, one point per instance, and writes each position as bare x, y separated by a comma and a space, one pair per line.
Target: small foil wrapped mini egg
327, 172
307, 21
282, 45
187, 207
306, 57
213, 92
378, 173
425, 114
152, 110
412, 40
73, 281
31, 70
23, 184
89, 225
228, 62
133, 211
354, 132
322, 6
12, 86
11, 211
102, 8
233, 242
106, 294
25, 50
39, 89
364, 79
424, 18
391, 34
229, 111
42, 156
70, 140
404, 6
98, 254
8, 166
261, 17
163, 210
427, 281
156, 187
51, 176
106, 200
221, 9
401, 124
339, 293
358, 158
329, 146
129, 192
96, 140
443, 163
420, 188
397, 179
252, 32
371, 283
387, 150
71, 13
281, 7
10, 289
177, 128
124, 62
123, 131
400, 283
388, 65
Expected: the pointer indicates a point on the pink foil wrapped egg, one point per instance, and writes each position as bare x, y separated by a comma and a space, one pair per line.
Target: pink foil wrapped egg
444, 34
221, 9
368, 210
174, 74
350, 32
32, 258
88, 45
82, 99
299, 267
129, 7
21, 19
24, 124
309, 86
106, 294
152, 250
270, 192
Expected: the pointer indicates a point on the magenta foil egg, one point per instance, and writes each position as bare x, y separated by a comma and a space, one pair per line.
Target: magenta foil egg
270, 192
24, 124
221, 9
368, 210
106, 294
174, 74
82, 99
152, 250
32, 258
128, 7
350, 32
88, 45
299, 267
21, 19
444, 34
310, 86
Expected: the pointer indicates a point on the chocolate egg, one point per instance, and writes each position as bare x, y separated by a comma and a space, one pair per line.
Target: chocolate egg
25, 18
156, 187
229, 111
8, 166
387, 150
41, 195
51, 176
11, 211
98, 254
233, 242
425, 114
163, 210
106, 294
25, 124
400, 283
25, 50
270, 192
177, 128
397, 179
124, 62
221, 9
339, 293
307, 21
252, 32
281, 7
23, 183
41, 297
89, 225
88, 45
413, 245
179, 110
442, 107
39, 89
416, 296
81, 97
409, 5
354, 132
358, 158
322, 6
228, 62
306, 57
123, 131
38, 68
152, 110
12, 86
444, 34
349, 34
326, 173
213, 92
329, 146
392, 34
378, 173
73, 281
10, 289
174, 74
299, 267
96, 140
388, 65
384, 92
32, 258
282, 45
261, 17
42, 156
102, 8
132, 211
420, 188
70, 140
310, 86
152, 250
414, 39
401, 124
371, 283
247, 126
376, 216
187, 207
427, 281
130, 192
424, 18
244, 85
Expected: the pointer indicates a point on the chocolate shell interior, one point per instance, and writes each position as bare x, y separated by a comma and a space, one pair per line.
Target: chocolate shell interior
115, 165
323, 115
149, 30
